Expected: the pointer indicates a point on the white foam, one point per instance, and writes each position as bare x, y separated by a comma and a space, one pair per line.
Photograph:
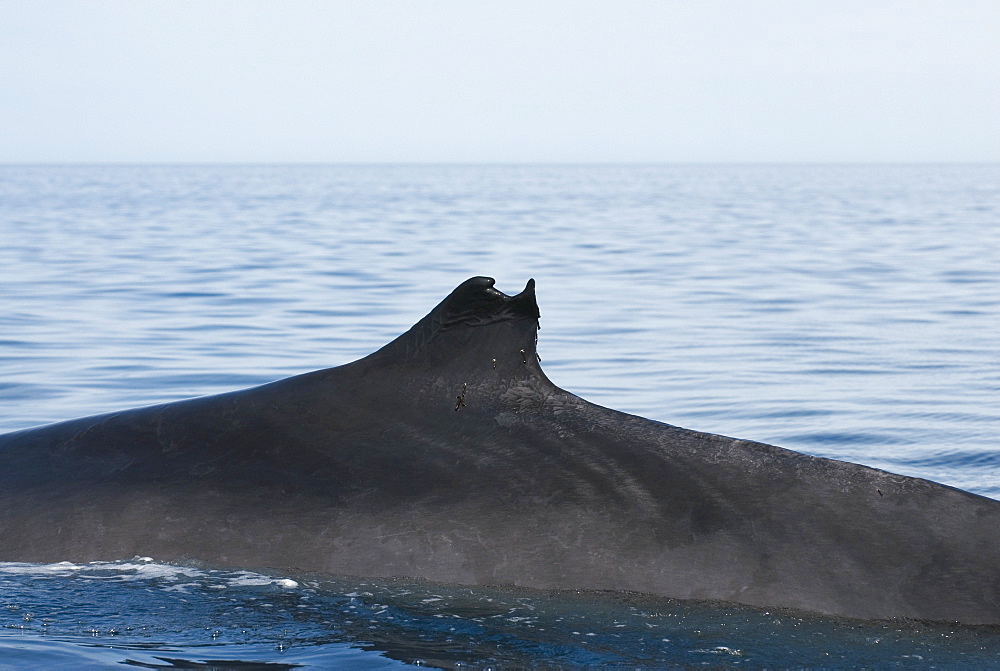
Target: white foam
252, 579
139, 568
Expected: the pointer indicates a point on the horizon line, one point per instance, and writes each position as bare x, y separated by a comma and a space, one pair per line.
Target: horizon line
152, 163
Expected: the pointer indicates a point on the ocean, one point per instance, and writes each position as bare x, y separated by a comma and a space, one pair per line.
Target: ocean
845, 311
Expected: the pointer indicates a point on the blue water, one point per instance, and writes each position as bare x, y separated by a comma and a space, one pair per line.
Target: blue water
847, 311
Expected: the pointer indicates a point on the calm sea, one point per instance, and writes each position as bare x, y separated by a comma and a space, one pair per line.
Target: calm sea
847, 311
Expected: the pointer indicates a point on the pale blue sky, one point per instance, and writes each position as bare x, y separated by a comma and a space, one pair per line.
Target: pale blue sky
471, 80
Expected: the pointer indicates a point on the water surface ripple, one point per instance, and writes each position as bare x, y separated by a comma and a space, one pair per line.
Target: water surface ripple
847, 311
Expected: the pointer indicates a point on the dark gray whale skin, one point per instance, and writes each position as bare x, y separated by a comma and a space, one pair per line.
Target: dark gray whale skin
447, 455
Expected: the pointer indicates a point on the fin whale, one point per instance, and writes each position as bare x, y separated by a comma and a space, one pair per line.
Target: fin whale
448, 455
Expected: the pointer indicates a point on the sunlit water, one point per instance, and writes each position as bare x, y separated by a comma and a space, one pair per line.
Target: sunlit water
846, 311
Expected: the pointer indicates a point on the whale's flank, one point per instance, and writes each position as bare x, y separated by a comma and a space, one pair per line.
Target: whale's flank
448, 455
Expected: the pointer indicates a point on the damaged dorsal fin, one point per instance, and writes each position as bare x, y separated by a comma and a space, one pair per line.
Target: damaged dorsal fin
473, 303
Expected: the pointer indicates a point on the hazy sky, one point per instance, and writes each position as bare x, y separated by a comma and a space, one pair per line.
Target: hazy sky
478, 80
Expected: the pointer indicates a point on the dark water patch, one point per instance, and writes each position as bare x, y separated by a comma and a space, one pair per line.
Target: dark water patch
158, 614
954, 458
943, 416
29, 345
793, 413
21, 390
194, 294
834, 438
908, 320
846, 371
775, 301
210, 327
929, 366
767, 309
332, 313
756, 413
968, 277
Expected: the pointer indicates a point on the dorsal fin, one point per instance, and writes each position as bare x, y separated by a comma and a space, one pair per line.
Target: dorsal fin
473, 303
